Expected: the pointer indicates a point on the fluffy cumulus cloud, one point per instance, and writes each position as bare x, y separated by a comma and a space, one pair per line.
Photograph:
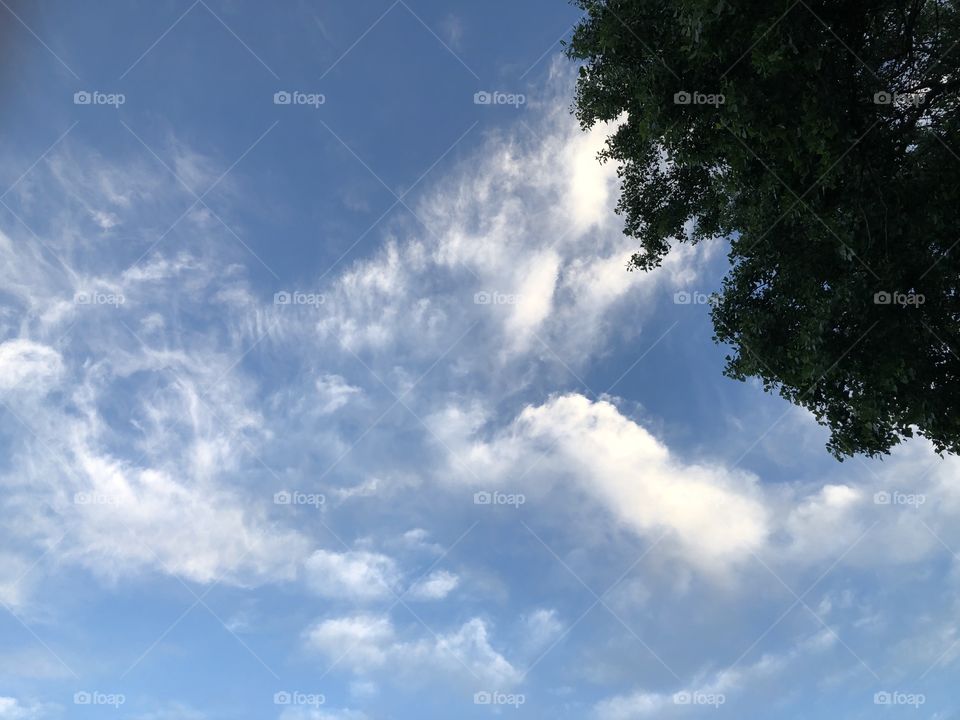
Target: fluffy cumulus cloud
369, 643
15, 709
436, 586
355, 575
715, 516
364, 639
28, 365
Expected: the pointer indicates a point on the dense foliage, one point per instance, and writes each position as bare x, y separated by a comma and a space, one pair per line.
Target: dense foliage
821, 137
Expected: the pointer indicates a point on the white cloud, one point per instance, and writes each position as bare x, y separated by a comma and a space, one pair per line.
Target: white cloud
106, 220
369, 642
368, 488
355, 575
326, 714
137, 519
28, 365
528, 221
150, 432
14, 578
715, 516
364, 640
711, 517
174, 711
14, 709
709, 689
541, 627
470, 647
436, 586
335, 392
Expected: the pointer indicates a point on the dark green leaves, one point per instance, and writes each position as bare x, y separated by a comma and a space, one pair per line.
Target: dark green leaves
832, 161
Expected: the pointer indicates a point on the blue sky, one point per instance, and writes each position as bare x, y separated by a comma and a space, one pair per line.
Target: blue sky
347, 409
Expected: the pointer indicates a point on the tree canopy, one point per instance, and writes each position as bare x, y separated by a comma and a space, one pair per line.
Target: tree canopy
820, 137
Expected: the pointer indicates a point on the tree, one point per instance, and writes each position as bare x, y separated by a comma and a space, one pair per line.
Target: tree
820, 137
